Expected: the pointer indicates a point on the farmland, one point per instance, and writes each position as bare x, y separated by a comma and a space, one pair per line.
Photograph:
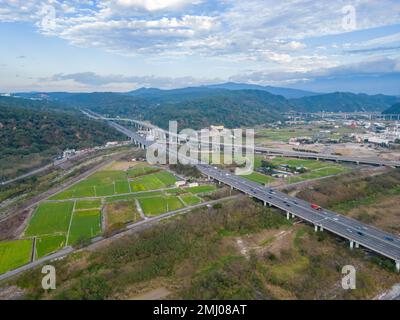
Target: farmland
50, 218
158, 205
313, 169
74, 216
85, 225
120, 213
49, 244
259, 178
14, 254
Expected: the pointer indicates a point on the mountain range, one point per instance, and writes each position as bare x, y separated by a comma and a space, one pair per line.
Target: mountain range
231, 104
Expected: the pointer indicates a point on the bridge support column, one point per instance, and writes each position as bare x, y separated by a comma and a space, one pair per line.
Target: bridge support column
321, 228
357, 245
315, 228
351, 244
293, 216
287, 215
398, 266
265, 204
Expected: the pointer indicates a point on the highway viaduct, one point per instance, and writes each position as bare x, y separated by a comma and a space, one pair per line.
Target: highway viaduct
357, 233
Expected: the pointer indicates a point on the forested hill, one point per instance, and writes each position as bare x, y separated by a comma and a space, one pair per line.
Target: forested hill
343, 102
30, 138
244, 108
394, 109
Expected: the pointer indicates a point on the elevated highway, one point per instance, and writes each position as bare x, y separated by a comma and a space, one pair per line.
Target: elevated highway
357, 233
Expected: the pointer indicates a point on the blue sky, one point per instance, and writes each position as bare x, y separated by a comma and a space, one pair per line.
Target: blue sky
119, 45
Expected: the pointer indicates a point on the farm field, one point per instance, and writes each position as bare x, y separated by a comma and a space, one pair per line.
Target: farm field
259, 178
88, 204
152, 181
201, 189
74, 215
14, 254
120, 213
85, 225
190, 199
118, 182
285, 134
50, 218
140, 171
159, 205
315, 169
49, 244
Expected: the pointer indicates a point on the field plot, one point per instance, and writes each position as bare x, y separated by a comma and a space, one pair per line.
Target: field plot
88, 204
140, 171
159, 205
120, 213
14, 254
201, 189
85, 225
50, 218
284, 134
49, 244
100, 184
152, 181
259, 178
315, 169
190, 199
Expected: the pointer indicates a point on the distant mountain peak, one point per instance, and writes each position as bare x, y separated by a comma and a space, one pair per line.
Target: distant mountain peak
288, 93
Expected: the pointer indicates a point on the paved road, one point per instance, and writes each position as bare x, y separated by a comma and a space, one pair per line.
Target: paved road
358, 233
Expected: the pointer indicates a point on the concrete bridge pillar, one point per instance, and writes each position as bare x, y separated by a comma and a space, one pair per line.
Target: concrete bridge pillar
357, 245
315, 228
287, 215
398, 266
293, 216
351, 244
321, 228
265, 203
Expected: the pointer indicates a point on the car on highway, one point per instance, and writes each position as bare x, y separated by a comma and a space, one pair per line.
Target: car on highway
389, 239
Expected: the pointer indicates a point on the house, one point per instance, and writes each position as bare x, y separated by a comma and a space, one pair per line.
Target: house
193, 184
111, 143
67, 153
180, 183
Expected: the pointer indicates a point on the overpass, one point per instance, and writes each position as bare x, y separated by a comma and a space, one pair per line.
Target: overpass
357, 233
157, 132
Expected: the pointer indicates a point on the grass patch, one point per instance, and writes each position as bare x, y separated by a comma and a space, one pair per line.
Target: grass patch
159, 205
50, 218
14, 254
190, 199
259, 178
85, 225
201, 189
49, 244
88, 204
120, 213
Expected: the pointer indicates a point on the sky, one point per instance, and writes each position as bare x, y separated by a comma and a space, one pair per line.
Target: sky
121, 45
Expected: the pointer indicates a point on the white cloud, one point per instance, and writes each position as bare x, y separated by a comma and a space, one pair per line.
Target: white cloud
155, 5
